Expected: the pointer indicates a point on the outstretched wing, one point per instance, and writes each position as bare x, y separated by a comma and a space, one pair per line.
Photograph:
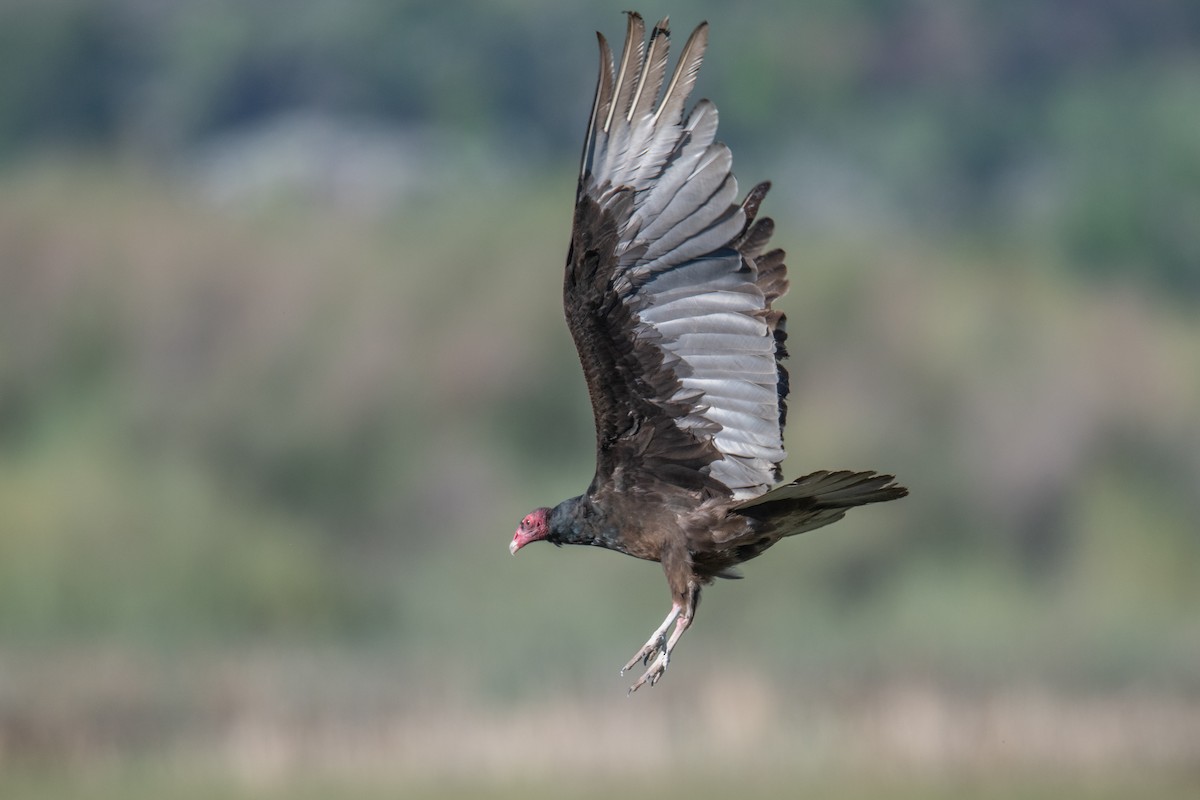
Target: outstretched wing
667, 291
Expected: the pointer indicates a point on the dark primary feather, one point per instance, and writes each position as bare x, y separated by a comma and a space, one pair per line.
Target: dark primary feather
663, 292
668, 294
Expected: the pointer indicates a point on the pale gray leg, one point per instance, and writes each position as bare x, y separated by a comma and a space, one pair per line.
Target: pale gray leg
657, 641
659, 666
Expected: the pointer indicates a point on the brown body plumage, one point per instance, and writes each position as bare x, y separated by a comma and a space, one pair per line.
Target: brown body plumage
668, 295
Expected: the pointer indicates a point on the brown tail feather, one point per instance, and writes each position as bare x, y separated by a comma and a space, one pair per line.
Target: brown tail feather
820, 498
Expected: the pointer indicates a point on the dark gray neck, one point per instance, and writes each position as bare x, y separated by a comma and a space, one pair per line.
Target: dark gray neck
580, 521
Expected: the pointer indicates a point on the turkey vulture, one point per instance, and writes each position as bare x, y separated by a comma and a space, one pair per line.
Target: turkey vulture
668, 294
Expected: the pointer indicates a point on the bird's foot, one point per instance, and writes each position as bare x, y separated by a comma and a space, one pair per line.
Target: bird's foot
656, 650
656, 644
652, 675
657, 669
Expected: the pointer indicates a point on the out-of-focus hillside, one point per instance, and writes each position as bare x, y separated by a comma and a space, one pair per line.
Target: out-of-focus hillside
282, 362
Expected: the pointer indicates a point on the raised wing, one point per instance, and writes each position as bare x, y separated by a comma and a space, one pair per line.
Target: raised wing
667, 291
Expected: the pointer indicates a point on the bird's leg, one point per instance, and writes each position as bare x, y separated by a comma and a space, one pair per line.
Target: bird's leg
682, 613
658, 667
657, 640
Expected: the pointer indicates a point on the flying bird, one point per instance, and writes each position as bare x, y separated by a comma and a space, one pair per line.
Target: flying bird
668, 295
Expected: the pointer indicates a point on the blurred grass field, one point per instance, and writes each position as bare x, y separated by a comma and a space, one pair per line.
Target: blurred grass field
136, 784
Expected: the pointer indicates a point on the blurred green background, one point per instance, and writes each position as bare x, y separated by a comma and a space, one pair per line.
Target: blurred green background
282, 363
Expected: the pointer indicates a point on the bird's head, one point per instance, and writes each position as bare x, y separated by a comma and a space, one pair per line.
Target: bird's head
535, 527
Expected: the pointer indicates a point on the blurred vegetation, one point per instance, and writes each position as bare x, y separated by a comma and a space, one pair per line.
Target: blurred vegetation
150, 782
282, 362
1070, 122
